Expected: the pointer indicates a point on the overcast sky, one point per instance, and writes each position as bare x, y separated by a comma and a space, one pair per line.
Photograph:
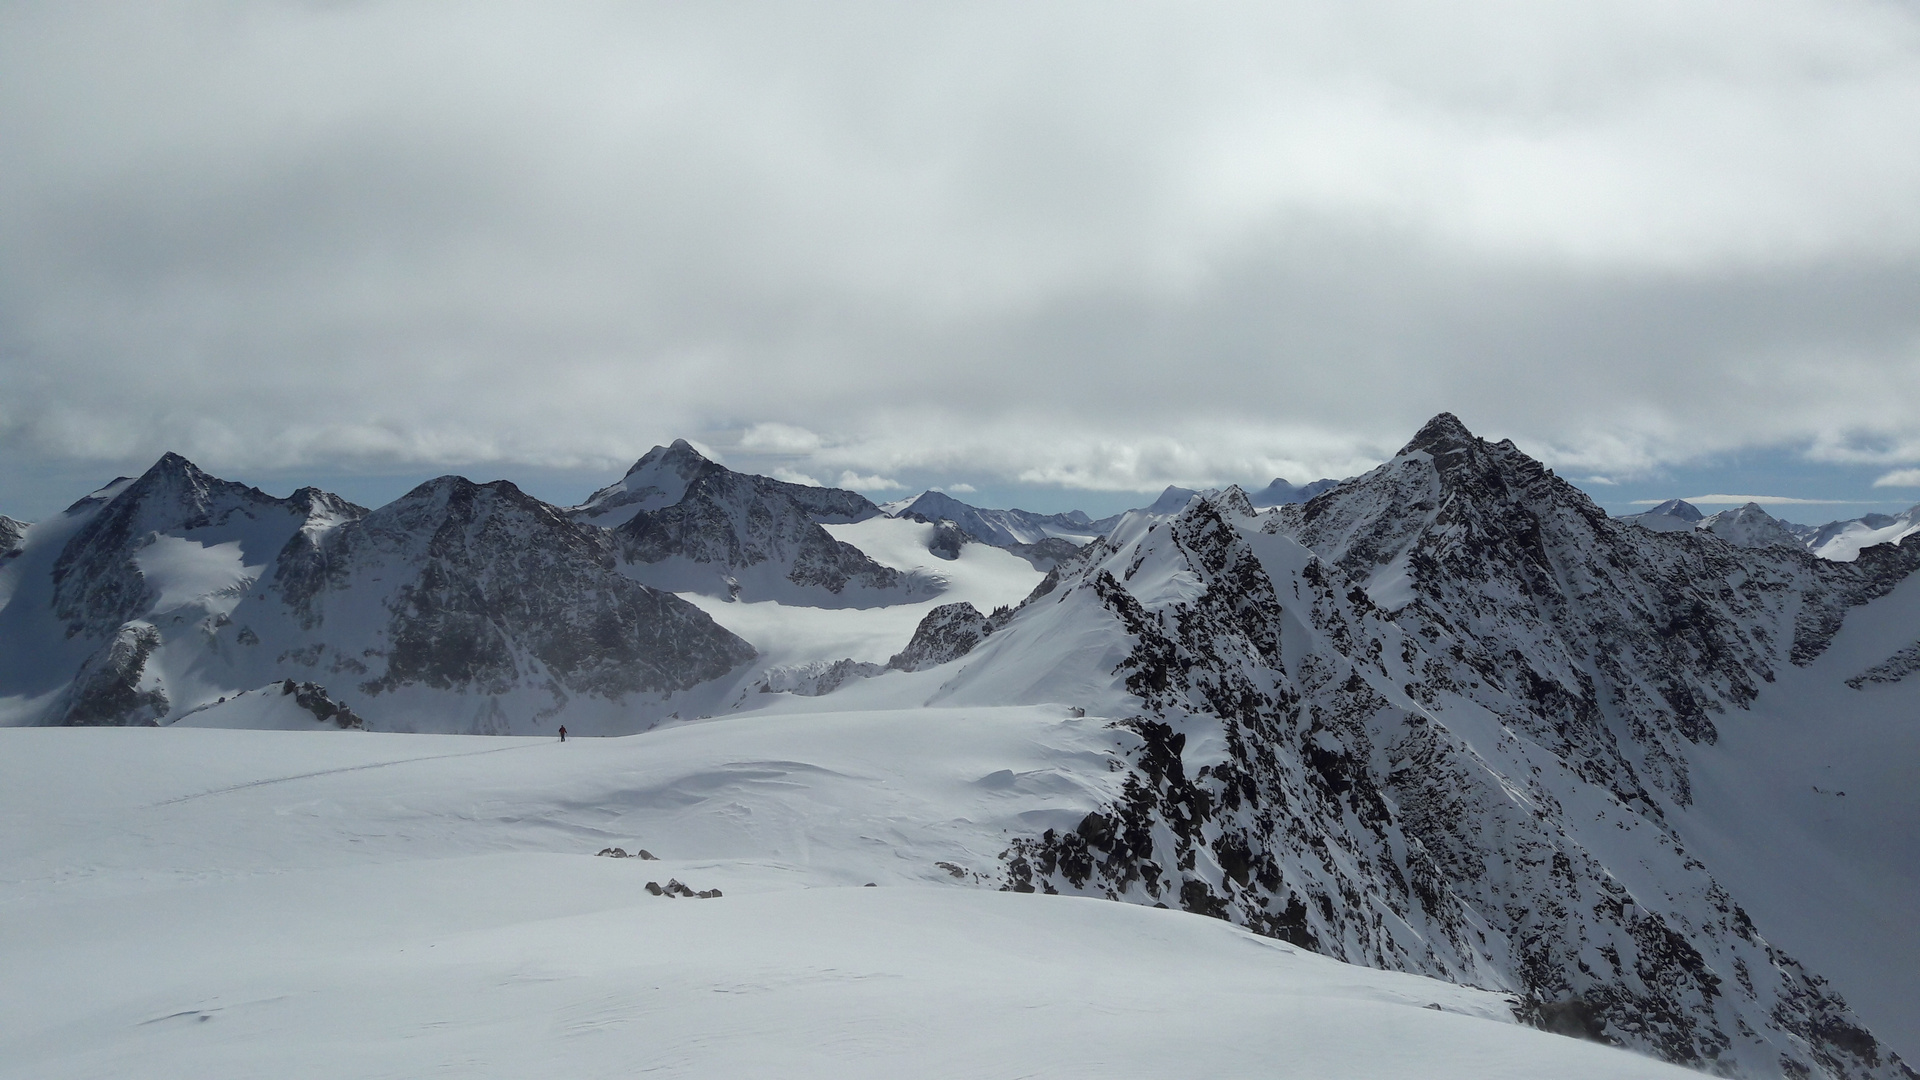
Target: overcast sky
1055, 252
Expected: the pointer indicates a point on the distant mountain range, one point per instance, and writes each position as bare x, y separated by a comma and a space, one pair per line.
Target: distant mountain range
1751, 526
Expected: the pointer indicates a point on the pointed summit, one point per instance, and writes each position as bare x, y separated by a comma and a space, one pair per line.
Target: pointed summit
1172, 501
173, 463
681, 456
658, 480
1442, 435
1677, 508
1750, 526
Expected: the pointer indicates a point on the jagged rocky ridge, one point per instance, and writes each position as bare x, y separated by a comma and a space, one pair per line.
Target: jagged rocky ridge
946, 633
473, 603
1435, 720
11, 532
688, 524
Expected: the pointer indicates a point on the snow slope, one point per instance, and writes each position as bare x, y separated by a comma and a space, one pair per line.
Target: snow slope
791, 634
217, 903
1842, 540
1808, 809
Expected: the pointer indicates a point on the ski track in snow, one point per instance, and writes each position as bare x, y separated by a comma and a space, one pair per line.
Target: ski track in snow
331, 772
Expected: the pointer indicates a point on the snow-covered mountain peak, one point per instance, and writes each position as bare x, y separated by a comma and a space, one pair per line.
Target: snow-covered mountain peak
11, 530
659, 479
1441, 436
1677, 508
1750, 526
1171, 501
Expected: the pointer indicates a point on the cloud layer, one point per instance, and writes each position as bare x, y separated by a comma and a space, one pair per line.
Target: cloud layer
1076, 245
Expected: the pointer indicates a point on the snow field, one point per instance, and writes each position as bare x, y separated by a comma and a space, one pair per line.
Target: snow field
196, 903
983, 576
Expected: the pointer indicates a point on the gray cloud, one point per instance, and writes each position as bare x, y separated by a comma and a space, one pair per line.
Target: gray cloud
1088, 246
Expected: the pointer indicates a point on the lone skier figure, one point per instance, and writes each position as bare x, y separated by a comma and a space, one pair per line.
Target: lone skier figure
563, 733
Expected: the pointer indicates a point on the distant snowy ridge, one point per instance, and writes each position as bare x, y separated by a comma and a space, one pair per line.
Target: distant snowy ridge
1752, 526
1844, 540
1009, 528
1000, 528
1281, 493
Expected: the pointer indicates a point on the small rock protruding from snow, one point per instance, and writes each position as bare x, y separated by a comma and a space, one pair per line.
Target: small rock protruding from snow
947, 540
314, 698
674, 888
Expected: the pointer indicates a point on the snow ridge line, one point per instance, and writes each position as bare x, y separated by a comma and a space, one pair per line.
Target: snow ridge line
332, 772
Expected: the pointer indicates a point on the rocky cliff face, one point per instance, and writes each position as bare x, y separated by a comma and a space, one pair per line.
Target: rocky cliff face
692, 525
946, 633
1448, 743
164, 592
485, 589
1621, 644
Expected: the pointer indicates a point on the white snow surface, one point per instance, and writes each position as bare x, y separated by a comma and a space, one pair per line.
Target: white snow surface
198, 904
1842, 540
788, 634
183, 571
1808, 810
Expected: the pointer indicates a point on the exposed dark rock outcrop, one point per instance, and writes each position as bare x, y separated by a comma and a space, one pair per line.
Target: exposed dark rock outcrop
1432, 781
109, 690
488, 587
687, 523
946, 633
457, 588
12, 531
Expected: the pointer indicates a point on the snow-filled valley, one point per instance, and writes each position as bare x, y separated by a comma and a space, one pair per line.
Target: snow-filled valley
1386, 774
